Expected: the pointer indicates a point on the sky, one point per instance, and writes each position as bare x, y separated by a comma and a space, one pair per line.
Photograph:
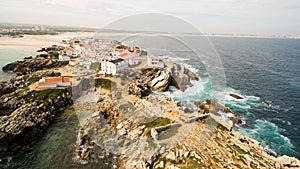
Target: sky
269, 17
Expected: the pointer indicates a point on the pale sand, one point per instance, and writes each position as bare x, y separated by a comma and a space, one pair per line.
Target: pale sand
39, 41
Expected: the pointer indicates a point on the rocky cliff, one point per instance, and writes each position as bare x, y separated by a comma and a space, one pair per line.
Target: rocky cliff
26, 114
157, 79
206, 144
30, 65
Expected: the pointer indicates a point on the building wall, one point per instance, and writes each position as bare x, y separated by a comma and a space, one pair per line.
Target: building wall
108, 68
63, 84
48, 86
122, 66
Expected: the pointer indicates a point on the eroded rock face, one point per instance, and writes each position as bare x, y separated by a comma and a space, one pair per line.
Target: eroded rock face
30, 114
31, 65
160, 79
181, 76
288, 162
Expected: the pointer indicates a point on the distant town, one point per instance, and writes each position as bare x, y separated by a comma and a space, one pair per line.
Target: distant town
18, 30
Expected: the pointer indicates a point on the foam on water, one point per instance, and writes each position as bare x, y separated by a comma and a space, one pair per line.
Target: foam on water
270, 136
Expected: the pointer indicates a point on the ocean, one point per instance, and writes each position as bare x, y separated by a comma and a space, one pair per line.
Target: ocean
259, 70
9, 54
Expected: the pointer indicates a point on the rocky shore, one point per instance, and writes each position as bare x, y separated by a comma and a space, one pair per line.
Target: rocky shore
142, 130
29, 65
26, 114
175, 138
207, 143
149, 79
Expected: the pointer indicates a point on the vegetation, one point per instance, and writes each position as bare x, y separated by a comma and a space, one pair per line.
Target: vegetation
145, 70
222, 128
43, 96
159, 121
121, 47
34, 78
54, 55
168, 133
105, 83
94, 66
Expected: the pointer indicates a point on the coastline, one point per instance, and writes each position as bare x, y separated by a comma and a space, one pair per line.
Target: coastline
35, 41
38, 41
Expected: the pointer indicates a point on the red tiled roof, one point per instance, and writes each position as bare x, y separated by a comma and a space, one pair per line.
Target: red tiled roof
124, 55
120, 50
54, 80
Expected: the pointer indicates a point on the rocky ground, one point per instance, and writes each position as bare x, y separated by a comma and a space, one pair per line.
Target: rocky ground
31, 64
115, 131
26, 114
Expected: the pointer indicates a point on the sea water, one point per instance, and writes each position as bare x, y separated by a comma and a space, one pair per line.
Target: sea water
10, 54
259, 70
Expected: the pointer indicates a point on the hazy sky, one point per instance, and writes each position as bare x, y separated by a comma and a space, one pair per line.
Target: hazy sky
209, 16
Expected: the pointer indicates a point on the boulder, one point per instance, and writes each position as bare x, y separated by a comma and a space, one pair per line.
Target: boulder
236, 96
288, 162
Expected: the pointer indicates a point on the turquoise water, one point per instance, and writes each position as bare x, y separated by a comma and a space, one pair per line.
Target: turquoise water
12, 53
260, 70
257, 69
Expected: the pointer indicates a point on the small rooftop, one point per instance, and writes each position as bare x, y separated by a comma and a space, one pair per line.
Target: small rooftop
116, 60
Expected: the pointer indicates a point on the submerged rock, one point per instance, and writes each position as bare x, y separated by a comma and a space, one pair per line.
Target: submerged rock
235, 96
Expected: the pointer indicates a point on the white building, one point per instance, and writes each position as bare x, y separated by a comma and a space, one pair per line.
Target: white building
113, 66
53, 82
154, 61
63, 58
73, 62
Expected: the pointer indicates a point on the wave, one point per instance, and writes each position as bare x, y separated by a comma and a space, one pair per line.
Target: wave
270, 136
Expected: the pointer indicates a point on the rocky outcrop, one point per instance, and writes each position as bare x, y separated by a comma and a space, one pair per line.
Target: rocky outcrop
181, 76
23, 81
160, 79
288, 162
29, 114
142, 84
236, 96
28, 66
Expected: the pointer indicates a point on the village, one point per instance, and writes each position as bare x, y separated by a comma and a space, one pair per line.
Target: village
95, 58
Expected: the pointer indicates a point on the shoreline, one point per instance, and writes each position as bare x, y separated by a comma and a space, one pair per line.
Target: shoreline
39, 41
35, 42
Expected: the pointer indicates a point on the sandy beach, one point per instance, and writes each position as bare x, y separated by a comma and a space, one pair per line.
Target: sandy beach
39, 41
29, 40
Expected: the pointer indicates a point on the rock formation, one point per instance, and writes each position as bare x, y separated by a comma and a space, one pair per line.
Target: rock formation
27, 116
28, 66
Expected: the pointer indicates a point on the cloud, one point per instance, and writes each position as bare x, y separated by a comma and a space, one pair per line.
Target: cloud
265, 13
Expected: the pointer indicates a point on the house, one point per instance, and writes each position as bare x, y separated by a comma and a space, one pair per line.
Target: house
132, 58
89, 58
154, 61
73, 62
113, 66
62, 57
52, 82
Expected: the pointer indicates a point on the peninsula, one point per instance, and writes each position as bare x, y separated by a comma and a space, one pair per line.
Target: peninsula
126, 120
